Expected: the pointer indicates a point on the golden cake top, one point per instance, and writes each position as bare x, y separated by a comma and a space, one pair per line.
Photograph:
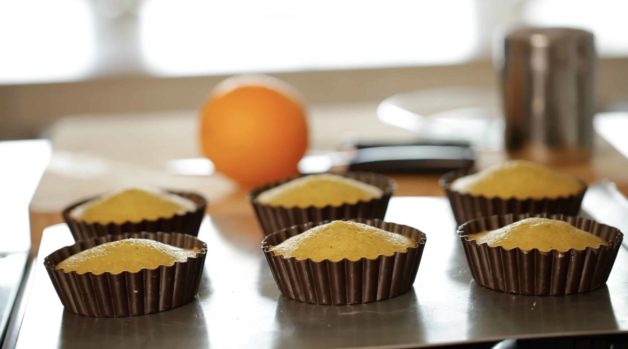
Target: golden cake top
518, 179
540, 233
319, 190
338, 240
134, 205
130, 255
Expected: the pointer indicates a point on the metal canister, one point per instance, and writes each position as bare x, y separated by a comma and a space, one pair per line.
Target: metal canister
548, 86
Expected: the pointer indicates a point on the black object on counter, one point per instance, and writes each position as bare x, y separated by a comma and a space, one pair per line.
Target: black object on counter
413, 157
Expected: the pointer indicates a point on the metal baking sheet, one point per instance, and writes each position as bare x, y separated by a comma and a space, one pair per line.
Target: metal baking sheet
240, 306
11, 270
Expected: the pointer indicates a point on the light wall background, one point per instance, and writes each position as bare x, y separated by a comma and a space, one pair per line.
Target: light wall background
72, 57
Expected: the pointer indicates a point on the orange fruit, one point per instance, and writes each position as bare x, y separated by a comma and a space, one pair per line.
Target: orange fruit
254, 129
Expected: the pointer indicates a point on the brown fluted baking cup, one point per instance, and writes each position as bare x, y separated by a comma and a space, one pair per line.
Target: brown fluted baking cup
128, 294
466, 206
186, 223
540, 273
274, 218
345, 282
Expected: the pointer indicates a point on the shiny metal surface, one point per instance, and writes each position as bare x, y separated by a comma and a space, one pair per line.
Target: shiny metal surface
548, 78
240, 306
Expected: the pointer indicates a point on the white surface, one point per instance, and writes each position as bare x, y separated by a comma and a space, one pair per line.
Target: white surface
613, 127
459, 113
21, 165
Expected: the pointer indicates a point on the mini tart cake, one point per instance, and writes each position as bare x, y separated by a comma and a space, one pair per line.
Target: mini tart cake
130, 255
512, 187
127, 274
538, 233
316, 198
518, 179
341, 262
319, 191
132, 205
135, 210
539, 254
338, 240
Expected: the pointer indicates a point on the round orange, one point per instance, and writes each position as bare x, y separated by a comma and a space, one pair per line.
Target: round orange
254, 129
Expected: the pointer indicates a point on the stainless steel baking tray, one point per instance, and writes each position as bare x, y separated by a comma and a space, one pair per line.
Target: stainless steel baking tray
240, 306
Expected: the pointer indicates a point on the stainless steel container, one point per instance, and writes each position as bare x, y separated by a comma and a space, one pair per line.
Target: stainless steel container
548, 85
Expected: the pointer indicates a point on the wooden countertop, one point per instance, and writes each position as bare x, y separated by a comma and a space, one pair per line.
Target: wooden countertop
84, 162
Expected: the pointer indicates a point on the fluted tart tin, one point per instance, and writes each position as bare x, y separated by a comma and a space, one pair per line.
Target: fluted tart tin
273, 218
128, 294
345, 282
467, 206
188, 222
539, 273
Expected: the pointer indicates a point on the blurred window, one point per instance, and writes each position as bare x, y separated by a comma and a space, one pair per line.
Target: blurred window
65, 40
